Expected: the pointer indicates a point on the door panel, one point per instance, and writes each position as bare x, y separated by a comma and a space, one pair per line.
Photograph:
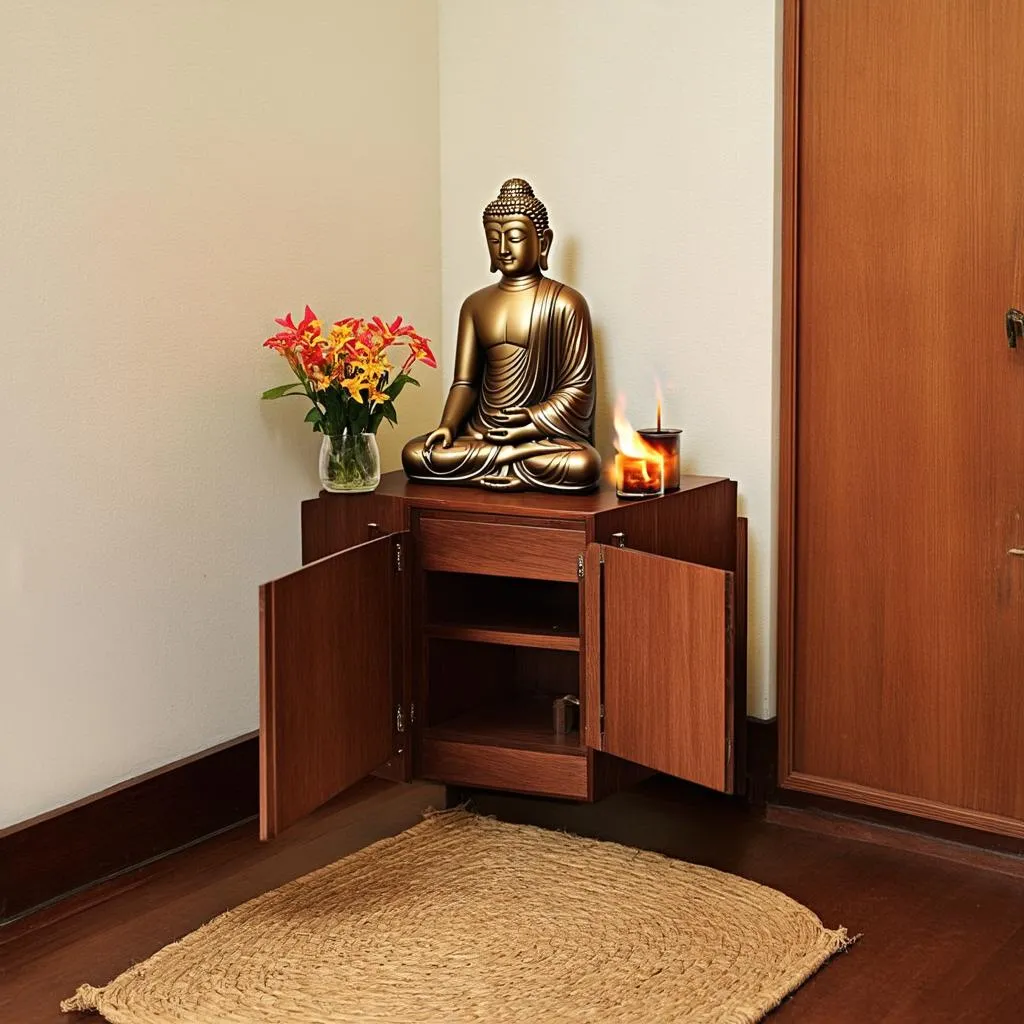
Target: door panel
667, 664
328, 659
908, 647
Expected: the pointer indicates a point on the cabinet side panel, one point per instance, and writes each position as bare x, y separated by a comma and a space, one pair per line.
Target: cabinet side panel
700, 526
739, 686
694, 525
332, 522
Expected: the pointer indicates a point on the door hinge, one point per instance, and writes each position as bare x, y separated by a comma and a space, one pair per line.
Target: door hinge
730, 611
728, 750
1014, 326
580, 570
412, 714
399, 719
398, 556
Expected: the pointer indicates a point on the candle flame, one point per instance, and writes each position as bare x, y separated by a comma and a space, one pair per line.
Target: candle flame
660, 399
630, 444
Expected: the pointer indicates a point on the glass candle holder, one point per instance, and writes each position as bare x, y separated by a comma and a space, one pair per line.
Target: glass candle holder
666, 442
639, 476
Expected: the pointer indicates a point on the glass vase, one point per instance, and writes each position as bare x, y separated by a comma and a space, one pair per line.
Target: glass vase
349, 463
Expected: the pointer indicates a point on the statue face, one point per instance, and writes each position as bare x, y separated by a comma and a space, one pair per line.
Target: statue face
514, 246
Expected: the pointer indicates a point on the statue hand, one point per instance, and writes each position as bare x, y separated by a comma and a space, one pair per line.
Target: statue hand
512, 435
513, 417
442, 435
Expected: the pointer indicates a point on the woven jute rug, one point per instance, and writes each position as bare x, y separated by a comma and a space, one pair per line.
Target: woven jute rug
463, 918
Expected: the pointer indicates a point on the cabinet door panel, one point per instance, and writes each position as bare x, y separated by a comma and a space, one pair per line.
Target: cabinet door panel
328, 658
667, 665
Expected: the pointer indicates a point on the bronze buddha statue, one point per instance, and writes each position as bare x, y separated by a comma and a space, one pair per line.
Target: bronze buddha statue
520, 411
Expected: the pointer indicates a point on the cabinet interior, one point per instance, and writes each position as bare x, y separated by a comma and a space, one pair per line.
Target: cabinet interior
498, 652
522, 610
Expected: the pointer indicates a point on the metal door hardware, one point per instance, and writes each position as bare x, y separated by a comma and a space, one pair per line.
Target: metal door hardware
567, 714
1014, 326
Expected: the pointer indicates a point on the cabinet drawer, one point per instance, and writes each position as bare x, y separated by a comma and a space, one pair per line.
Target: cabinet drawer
500, 549
521, 771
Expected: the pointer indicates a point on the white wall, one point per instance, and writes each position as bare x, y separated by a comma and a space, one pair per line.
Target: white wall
174, 175
648, 128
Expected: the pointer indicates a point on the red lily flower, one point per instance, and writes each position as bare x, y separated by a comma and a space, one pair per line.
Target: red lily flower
420, 349
293, 336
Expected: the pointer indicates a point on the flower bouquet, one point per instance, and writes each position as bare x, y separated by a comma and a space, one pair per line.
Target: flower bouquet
349, 378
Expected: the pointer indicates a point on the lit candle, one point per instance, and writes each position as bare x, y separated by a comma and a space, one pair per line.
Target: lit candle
639, 468
666, 443
639, 476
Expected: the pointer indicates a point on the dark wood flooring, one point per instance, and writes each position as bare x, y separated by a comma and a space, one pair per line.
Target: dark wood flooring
940, 940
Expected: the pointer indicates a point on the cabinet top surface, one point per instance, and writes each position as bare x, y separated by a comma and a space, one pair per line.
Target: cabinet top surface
475, 499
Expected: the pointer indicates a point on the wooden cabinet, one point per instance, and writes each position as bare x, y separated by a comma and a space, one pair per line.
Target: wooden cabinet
432, 631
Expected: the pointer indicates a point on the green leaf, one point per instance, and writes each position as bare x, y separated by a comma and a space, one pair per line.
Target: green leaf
282, 390
313, 416
394, 389
361, 420
389, 413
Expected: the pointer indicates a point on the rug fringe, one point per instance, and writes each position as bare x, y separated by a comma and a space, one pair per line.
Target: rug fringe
85, 998
448, 812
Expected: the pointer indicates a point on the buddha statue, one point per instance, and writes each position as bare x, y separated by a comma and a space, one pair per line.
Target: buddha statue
520, 411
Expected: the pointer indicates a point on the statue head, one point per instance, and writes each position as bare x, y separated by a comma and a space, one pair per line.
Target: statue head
516, 226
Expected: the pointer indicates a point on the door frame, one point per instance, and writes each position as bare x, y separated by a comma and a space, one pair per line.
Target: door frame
786, 608
788, 776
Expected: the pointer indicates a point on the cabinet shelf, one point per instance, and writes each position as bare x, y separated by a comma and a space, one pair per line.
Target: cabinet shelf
500, 633
497, 610
524, 723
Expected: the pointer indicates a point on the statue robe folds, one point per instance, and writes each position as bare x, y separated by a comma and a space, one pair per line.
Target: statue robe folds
552, 378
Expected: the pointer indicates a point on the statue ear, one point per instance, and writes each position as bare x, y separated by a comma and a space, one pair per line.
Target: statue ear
494, 266
545, 247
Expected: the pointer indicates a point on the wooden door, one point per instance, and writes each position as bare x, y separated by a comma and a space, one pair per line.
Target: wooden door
902, 673
659, 660
330, 663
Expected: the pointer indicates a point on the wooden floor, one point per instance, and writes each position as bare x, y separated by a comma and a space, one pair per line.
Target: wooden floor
941, 941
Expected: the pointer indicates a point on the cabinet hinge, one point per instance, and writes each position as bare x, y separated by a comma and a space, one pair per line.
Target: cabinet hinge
730, 612
728, 750
412, 714
399, 719
580, 570
398, 556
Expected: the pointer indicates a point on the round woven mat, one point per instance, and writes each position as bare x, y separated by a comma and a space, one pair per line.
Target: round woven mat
464, 918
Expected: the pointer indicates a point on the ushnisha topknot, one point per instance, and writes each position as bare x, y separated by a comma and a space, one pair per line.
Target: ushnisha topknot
516, 197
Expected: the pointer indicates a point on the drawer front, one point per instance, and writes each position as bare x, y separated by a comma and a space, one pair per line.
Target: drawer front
520, 771
500, 549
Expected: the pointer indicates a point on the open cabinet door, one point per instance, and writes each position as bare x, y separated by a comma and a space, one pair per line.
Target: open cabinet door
329, 660
664, 674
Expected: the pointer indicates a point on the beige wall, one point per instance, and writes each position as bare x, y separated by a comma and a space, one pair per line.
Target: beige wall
174, 176
648, 127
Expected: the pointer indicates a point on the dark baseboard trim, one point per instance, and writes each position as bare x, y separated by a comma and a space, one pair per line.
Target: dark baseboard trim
960, 850
762, 760
126, 826
894, 828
